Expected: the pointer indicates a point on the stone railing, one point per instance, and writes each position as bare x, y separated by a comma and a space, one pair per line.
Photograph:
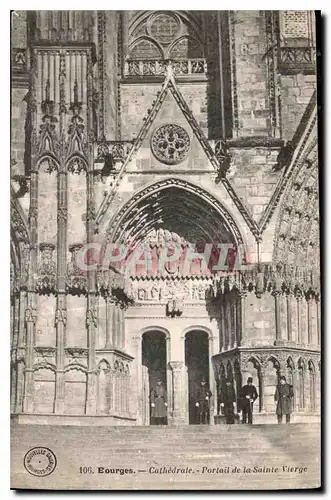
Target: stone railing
297, 59
114, 150
187, 67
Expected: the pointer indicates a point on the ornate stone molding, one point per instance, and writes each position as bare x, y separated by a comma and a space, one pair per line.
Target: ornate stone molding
46, 281
150, 68
91, 318
76, 279
30, 315
61, 316
268, 278
76, 352
45, 352
293, 60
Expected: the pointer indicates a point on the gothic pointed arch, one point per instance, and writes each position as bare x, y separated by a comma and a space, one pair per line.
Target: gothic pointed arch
174, 201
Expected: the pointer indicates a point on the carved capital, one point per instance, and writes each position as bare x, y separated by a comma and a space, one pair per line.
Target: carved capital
30, 315
176, 366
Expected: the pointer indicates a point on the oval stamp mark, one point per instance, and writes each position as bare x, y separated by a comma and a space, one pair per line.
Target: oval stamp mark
40, 461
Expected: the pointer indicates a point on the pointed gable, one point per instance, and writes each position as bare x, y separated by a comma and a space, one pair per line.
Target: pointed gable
170, 108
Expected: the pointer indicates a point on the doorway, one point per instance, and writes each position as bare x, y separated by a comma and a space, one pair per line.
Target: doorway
197, 363
154, 367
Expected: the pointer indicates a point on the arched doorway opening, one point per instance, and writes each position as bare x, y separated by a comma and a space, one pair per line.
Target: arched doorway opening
197, 364
154, 367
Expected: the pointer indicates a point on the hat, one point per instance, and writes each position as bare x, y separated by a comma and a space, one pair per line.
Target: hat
250, 379
282, 378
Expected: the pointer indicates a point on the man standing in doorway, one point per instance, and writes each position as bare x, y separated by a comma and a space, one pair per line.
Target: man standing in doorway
202, 403
283, 398
159, 404
248, 395
228, 401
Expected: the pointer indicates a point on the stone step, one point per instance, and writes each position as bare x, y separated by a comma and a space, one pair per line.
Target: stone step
141, 448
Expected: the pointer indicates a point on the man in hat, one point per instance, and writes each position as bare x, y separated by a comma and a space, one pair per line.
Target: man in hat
159, 404
283, 398
248, 395
202, 402
228, 401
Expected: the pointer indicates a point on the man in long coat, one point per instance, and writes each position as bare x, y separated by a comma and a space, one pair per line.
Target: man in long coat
248, 395
228, 401
202, 402
159, 404
283, 398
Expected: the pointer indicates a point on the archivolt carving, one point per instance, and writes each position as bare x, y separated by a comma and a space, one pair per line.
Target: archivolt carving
297, 232
116, 226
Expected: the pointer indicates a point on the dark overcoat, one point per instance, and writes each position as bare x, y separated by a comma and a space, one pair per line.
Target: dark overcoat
228, 397
247, 390
203, 396
283, 398
159, 398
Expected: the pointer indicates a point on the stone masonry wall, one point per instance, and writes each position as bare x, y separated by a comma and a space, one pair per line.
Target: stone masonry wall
249, 39
253, 177
136, 99
110, 90
295, 91
18, 116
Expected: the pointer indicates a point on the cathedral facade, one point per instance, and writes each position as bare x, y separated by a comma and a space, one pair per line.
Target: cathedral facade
164, 212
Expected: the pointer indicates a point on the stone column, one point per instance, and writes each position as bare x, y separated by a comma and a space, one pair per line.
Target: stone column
60, 316
299, 320
262, 389
318, 341
228, 323
20, 354
179, 414
289, 317
213, 342
60, 325
241, 316
30, 321
234, 320
108, 342
91, 306
222, 326
91, 325
276, 295
138, 380
310, 322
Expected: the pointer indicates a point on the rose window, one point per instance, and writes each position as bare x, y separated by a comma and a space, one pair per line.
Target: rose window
170, 144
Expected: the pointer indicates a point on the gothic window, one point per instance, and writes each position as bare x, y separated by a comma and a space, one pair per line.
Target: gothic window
164, 35
297, 41
170, 144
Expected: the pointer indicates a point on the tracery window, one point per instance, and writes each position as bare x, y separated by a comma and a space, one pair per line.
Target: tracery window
160, 36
